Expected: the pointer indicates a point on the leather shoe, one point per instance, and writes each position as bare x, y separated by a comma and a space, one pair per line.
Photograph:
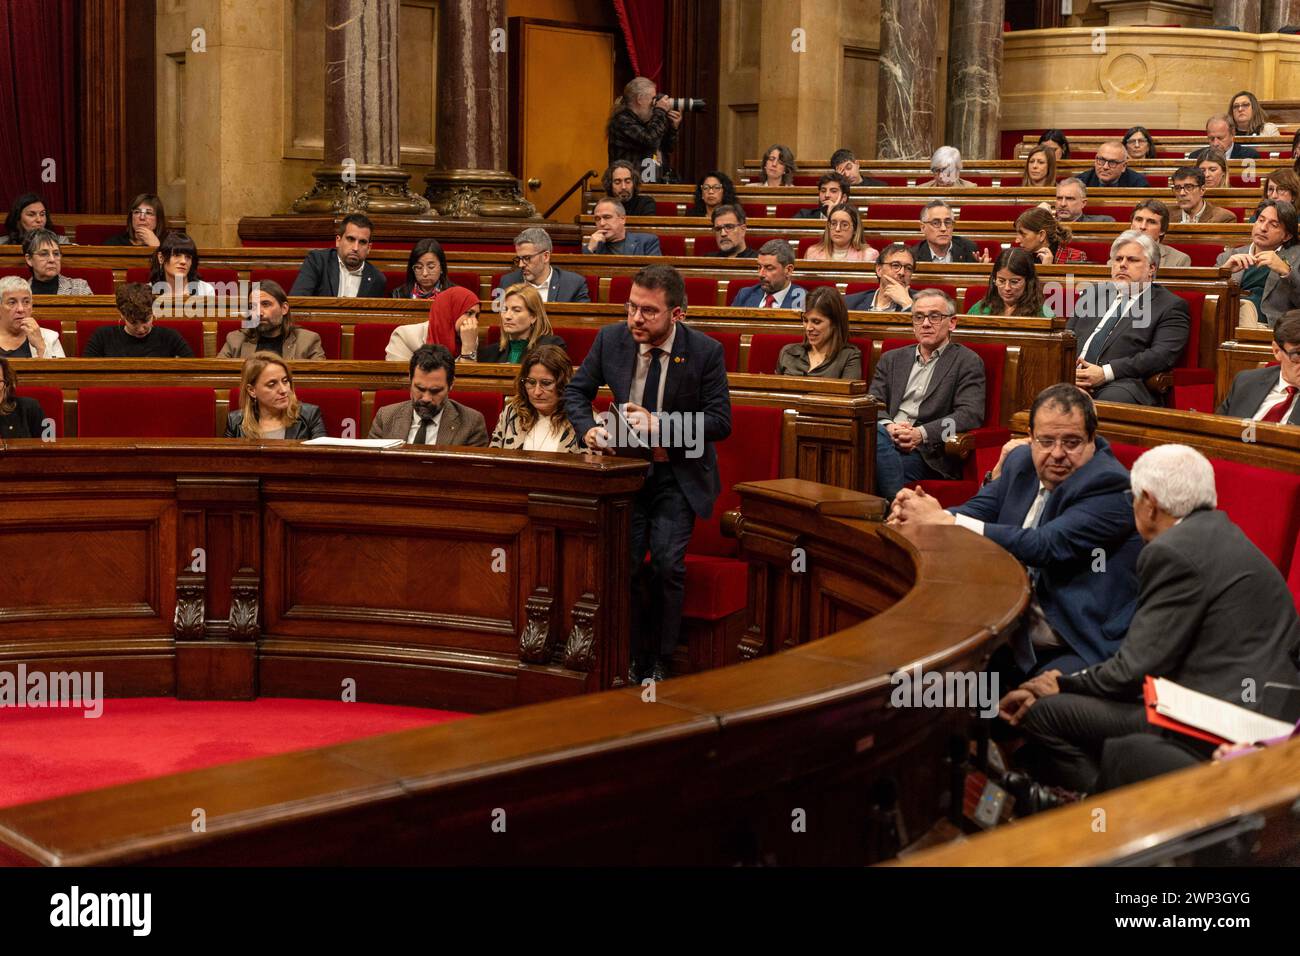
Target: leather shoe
660, 671
634, 673
1033, 797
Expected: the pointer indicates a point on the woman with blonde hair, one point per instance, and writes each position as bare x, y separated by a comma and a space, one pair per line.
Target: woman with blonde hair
524, 326
534, 418
269, 407
841, 240
1040, 167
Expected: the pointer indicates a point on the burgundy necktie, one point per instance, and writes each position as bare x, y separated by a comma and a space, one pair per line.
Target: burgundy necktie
1277, 411
771, 301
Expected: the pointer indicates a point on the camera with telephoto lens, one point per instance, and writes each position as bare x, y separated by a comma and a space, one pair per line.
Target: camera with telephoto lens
684, 104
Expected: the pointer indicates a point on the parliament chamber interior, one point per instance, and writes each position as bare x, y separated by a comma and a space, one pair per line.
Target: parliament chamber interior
864, 433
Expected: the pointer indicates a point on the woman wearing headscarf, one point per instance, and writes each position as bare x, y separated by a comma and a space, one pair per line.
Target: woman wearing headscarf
452, 316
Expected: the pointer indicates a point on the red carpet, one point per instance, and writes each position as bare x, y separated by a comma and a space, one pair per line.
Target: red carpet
50, 752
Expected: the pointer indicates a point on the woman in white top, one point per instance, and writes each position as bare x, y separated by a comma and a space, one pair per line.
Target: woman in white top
534, 419
20, 335
842, 240
1248, 117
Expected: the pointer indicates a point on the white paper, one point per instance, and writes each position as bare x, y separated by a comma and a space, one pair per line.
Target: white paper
1229, 721
356, 442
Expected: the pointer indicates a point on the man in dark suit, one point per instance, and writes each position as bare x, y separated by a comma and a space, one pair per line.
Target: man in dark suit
1071, 197
894, 270
1269, 394
1130, 328
1219, 135
729, 233
1061, 507
832, 189
1212, 613
611, 237
533, 265
662, 373
431, 417
940, 245
1110, 168
343, 271
931, 391
621, 182
776, 288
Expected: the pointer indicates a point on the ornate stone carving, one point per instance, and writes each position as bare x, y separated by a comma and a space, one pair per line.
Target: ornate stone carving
243, 608
368, 189
535, 643
476, 194
187, 625
580, 649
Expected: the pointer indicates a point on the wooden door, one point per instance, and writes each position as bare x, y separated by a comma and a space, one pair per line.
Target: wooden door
561, 94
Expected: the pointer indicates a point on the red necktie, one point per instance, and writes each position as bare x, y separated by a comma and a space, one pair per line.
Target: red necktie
771, 301
1277, 411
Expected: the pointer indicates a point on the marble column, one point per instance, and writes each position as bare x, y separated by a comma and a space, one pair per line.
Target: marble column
468, 181
975, 78
362, 170
1277, 14
1243, 14
905, 110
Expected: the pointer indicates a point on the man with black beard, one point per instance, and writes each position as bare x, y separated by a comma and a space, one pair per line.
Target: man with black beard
275, 331
430, 417
621, 182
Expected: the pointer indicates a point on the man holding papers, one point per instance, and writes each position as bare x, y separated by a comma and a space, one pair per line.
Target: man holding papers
1213, 614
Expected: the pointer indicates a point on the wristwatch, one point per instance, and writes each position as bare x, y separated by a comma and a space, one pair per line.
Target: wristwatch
988, 479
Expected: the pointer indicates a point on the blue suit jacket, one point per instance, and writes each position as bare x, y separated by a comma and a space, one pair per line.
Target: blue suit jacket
751, 297
634, 244
319, 275
564, 286
697, 382
1090, 510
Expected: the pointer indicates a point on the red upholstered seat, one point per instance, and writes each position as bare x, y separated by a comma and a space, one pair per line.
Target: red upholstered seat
191, 331
973, 294
137, 274
145, 412
593, 288
705, 243
701, 290
577, 341
988, 212
51, 401
765, 349
665, 208
787, 210
207, 274
466, 280
284, 277
94, 233
370, 340
908, 211
730, 348
1265, 504
853, 288
331, 337
754, 210
99, 280
671, 245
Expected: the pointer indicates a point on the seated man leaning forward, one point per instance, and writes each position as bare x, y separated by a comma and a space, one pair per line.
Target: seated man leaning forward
431, 417
1212, 613
611, 237
1061, 507
1129, 328
930, 391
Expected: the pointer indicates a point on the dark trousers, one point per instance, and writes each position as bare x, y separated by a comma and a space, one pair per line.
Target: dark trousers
662, 522
894, 468
1137, 757
1070, 731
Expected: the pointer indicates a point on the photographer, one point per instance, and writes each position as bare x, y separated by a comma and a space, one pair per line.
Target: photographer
641, 126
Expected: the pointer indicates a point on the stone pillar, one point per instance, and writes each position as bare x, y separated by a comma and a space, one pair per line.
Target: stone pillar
1277, 14
1243, 14
905, 111
975, 78
471, 137
362, 170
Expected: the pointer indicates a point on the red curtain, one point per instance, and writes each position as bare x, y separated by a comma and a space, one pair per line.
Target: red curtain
643, 23
38, 100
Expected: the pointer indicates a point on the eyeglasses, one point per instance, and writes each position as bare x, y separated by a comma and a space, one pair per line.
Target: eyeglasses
934, 318
1293, 356
898, 265
1010, 283
143, 213
715, 188
1110, 163
1071, 443
726, 227
545, 384
421, 268
1185, 188
940, 223
650, 314
840, 224
520, 260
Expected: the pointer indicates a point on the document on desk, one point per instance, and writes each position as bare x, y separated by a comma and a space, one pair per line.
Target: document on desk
1228, 721
356, 442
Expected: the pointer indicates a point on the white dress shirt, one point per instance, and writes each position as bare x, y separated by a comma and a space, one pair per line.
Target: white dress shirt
643, 369
946, 257
1122, 302
349, 282
779, 298
1277, 394
544, 287
431, 437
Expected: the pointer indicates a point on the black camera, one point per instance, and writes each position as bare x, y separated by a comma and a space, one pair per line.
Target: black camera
683, 104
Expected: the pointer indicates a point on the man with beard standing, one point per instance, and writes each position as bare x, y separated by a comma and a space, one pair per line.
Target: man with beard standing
431, 417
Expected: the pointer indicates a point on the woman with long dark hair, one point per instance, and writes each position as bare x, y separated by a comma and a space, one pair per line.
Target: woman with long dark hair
714, 189
426, 272
1014, 288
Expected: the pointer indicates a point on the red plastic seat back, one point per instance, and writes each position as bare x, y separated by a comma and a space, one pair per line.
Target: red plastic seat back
370, 340
145, 412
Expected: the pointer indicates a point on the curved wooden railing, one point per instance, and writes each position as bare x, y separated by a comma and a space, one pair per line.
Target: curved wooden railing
794, 757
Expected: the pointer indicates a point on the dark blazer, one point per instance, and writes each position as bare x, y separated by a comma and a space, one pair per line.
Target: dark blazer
1248, 391
1238, 151
1281, 293
639, 205
963, 250
696, 382
814, 212
1127, 180
1095, 219
956, 395
1148, 339
460, 424
492, 352
24, 421
1212, 610
751, 297
309, 424
319, 275
793, 360
749, 252
866, 302
633, 244
1090, 510
563, 287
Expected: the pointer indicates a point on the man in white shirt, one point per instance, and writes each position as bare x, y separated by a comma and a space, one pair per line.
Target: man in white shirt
342, 272
431, 417
533, 265
1269, 394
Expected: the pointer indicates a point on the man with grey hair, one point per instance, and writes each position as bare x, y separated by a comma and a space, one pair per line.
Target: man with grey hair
1071, 196
775, 290
1213, 615
533, 265
1129, 328
946, 166
1219, 135
939, 244
611, 237
20, 335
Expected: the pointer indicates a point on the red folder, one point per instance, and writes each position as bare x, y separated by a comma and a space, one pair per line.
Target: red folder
1158, 719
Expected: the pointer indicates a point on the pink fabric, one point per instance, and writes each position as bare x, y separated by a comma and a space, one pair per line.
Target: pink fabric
817, 253
450, 305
